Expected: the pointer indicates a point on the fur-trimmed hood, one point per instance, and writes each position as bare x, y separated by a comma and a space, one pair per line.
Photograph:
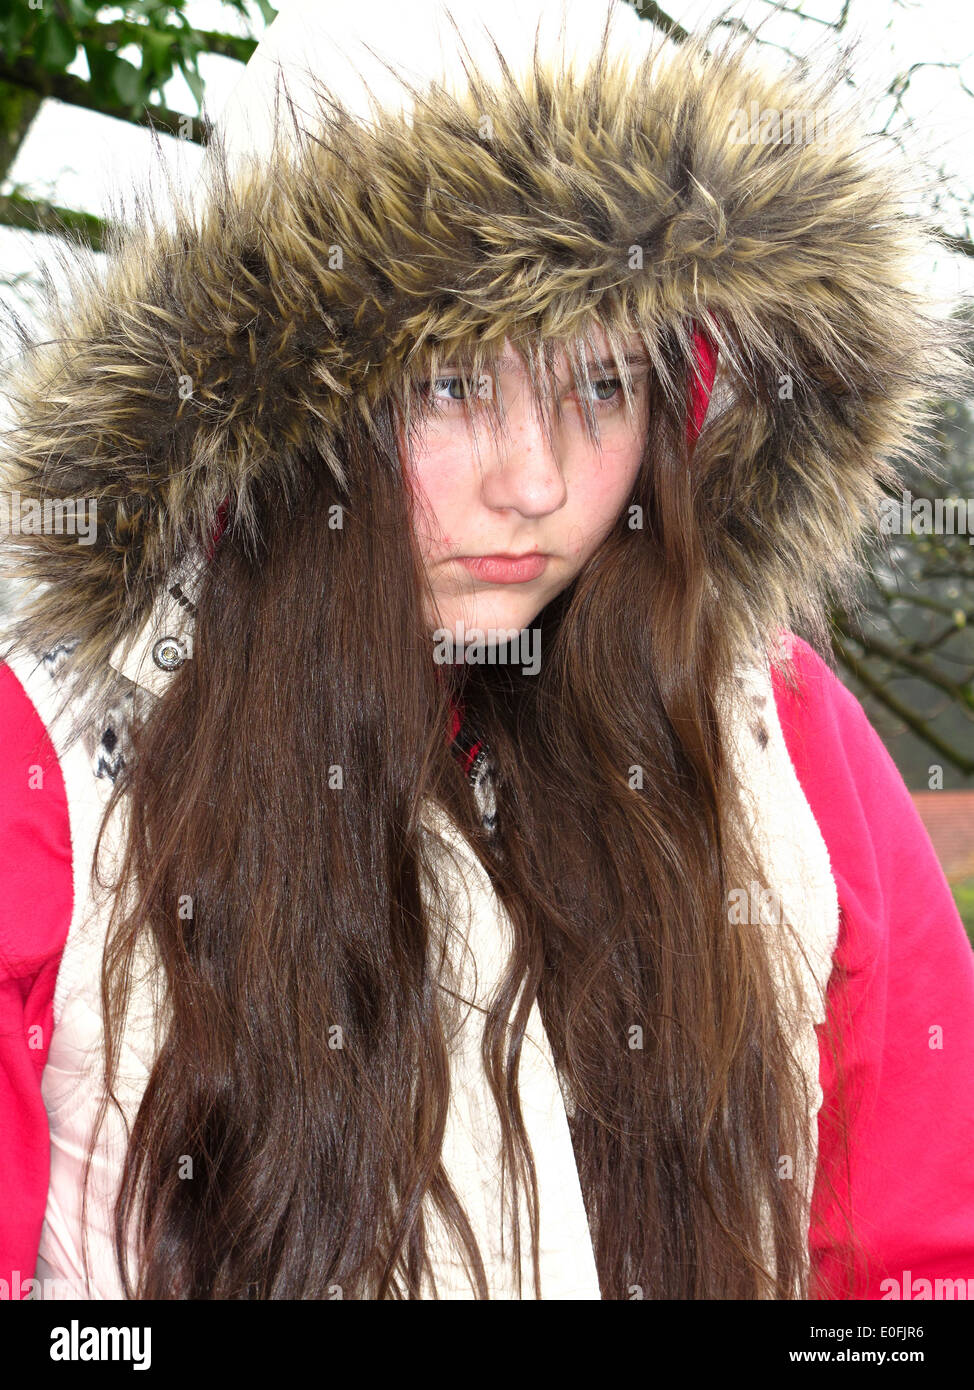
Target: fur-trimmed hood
646, 192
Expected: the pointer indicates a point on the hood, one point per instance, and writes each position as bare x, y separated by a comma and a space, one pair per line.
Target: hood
608, 180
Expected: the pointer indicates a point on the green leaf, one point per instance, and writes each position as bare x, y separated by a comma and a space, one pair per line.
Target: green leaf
82, 13
55, 45
99, 71
114, 79
157, 56
15, 28
127, 82
194, 82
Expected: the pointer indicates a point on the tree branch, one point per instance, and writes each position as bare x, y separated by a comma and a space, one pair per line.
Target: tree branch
650, 11
121, 32
76, 92
962, 244
912, 720
36, 215
924, 601
907, 661
17, 110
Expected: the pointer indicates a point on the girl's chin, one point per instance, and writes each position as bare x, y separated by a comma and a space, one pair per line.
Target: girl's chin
486, 616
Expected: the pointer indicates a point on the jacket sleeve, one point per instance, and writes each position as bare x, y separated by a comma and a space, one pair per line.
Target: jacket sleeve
901, 1003
36, 898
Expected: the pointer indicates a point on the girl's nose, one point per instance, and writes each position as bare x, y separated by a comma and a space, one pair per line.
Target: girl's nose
523, 468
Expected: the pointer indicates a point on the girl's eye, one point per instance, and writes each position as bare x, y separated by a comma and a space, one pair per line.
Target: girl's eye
454, 389
607, 384
467, 388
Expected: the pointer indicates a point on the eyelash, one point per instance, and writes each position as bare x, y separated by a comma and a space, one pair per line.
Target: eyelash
445, 402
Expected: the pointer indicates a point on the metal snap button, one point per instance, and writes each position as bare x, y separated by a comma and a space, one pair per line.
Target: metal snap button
168, 653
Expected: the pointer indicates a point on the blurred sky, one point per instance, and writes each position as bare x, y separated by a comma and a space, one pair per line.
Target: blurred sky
77, 158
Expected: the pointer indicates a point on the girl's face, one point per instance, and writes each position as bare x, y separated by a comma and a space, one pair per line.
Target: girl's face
516, 495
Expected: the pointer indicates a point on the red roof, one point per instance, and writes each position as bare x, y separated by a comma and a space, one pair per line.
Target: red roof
949, 820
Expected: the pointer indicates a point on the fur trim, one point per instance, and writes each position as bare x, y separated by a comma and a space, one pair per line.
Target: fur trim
800, 256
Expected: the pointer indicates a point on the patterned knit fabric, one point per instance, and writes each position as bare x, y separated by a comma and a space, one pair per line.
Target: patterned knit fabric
477, 764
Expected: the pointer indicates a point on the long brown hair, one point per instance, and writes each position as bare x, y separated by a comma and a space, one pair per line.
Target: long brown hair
308, 908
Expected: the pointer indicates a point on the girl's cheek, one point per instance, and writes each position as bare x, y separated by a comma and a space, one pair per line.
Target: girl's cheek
609, 480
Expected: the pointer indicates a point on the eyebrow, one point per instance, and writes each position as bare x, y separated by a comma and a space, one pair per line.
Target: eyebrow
631, 357
634, 359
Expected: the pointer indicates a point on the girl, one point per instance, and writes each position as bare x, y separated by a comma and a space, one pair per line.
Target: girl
432, 864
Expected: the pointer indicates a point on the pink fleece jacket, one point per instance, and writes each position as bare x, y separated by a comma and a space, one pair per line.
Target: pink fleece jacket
901, 1001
